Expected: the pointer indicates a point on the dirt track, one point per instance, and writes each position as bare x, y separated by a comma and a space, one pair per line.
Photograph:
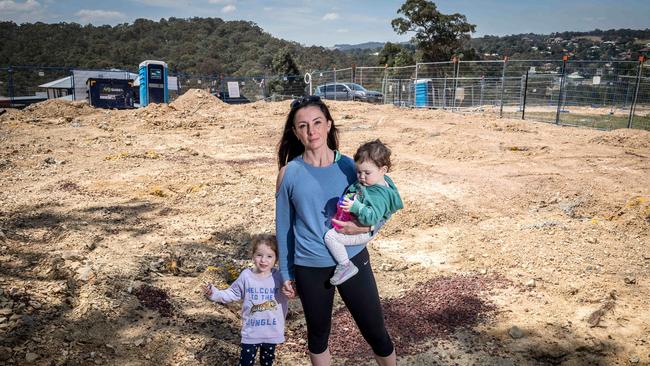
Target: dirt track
553, 223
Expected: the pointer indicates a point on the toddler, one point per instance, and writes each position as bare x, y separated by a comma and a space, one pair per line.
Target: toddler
264, 307
372, 199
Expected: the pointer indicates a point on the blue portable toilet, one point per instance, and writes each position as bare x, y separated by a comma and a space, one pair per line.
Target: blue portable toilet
422, 93
153, 82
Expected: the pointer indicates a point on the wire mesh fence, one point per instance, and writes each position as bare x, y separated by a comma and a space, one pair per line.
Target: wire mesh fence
21, 85
184, 82
398, 85
281, 87
597, 94
24, 85
641, 106
270, 88
370, 77
329, 84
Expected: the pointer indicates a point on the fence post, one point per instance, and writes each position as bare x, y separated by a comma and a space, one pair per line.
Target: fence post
223, 88
522, 80
636, 91
523, 108
384, 87
565, 58
482, 91
399, 92
10, 70
444, 94
74, 90
503, 84
334, 82
456, 63
417, 67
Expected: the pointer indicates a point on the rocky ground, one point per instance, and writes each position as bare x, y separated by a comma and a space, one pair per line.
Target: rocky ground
520, 243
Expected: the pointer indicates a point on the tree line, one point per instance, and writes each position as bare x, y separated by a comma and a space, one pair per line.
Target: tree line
212, 46
201, 46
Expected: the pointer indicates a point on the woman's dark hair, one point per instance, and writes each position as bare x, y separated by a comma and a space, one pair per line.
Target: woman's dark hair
375, 151
289, 146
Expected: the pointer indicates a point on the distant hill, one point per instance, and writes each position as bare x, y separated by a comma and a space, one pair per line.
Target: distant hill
613, 44
212, 46
361, 46
199, 46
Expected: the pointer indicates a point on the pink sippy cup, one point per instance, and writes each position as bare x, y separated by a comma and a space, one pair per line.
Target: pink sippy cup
340, 214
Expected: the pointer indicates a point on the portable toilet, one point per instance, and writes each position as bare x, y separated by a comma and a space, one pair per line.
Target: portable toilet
153, 82
422, 93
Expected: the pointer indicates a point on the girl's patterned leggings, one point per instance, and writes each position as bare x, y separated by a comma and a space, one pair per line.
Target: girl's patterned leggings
249, 351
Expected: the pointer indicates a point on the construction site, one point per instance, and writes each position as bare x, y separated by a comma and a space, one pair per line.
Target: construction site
521, 243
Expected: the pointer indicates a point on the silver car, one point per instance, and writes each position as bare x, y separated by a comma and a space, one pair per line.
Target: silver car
348, 91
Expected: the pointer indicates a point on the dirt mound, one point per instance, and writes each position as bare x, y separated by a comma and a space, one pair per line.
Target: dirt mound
5, 113
59, 108
155, 110
629, 138
194, 108
194, 100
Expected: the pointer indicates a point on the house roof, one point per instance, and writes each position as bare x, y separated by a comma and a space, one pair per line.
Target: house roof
63, 83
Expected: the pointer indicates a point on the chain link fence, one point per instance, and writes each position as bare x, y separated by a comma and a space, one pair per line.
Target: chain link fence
370, 77
24, 85
641, 107
20, 85
596, 94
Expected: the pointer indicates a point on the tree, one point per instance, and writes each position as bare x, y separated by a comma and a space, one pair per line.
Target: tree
283, 65
404, 58
394, 54
388, 53
437, 36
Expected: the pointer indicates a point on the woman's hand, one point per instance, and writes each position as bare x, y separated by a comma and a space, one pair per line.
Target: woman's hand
350, 227
288, 290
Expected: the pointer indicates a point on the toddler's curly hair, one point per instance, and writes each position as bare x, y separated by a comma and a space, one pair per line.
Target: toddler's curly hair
375, 151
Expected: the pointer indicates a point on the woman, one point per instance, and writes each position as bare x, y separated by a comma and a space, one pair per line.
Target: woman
312, 176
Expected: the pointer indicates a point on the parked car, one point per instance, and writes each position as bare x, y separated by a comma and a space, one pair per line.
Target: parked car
348, 91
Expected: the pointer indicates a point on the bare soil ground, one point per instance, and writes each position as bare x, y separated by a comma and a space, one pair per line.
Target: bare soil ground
520, 243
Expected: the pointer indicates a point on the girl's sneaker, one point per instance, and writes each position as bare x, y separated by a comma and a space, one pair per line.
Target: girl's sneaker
343, 272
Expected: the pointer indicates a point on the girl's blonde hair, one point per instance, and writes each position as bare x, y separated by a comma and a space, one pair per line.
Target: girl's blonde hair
268, 239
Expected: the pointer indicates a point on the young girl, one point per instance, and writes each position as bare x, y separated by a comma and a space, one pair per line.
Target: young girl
264, 306
374, 199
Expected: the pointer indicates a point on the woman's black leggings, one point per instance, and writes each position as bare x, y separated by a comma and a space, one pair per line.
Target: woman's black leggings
359, 294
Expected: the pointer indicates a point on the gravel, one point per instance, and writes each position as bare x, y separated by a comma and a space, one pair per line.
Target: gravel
154, 298
431, 310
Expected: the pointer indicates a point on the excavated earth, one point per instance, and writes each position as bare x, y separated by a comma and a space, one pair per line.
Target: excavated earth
520, 243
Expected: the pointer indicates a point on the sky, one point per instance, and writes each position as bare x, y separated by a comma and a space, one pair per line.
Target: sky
326, 23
